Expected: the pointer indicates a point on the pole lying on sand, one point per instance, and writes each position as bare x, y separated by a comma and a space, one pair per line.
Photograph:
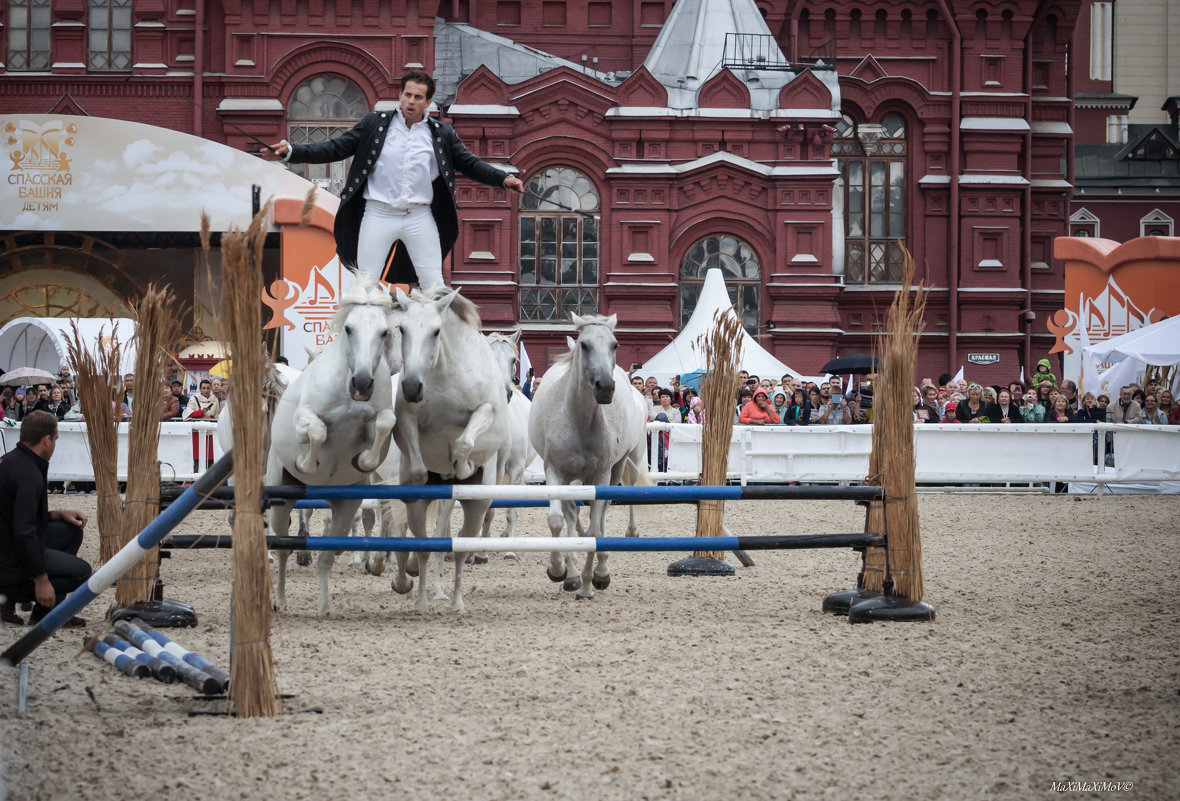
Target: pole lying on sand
123, 561
199, 680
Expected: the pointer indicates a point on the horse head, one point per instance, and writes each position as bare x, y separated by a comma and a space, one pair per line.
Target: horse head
505, 347
594, 353
362, 326
420, 320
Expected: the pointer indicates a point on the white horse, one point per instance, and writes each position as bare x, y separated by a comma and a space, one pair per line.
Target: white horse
451, 409
517, 452
333, 424
589, 426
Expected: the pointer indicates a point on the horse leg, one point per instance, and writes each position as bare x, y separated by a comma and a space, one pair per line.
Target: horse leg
303, 558
368, 519
375, 560
309, 427
442, 528
369, 459
416, 519
280, 525
413, 469
480, 421
343, 515
595, 576
485, 530
570, 512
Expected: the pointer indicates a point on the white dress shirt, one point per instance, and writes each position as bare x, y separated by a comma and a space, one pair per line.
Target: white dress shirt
406, 167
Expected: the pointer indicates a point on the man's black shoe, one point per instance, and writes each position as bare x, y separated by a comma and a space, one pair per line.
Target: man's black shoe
8, 614
39, 612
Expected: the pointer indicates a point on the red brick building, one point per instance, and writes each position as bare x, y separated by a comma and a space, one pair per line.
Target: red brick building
807, 144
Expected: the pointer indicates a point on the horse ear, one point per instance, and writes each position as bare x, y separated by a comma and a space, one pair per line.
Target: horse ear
570, 341
577, 319
515, 338
443, 303
612, 320
402, 299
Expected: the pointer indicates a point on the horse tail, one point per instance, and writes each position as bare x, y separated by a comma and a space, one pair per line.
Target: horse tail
635, 472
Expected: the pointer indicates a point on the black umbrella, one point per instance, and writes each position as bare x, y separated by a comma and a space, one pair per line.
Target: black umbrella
858, 363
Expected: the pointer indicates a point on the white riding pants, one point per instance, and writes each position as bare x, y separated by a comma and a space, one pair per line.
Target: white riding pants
414, 227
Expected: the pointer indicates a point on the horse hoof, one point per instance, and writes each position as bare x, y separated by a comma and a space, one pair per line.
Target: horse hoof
572, 584
479, 560
401, 590
303, 558
554, 578
583, 597
374, 570
600, 582
509, 557
412, 571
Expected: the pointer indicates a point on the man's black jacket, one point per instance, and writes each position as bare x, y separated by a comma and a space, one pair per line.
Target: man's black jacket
364, 142
24, 515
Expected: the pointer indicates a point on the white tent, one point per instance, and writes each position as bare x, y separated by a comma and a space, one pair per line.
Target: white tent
41, 341
1158, 343
681, 356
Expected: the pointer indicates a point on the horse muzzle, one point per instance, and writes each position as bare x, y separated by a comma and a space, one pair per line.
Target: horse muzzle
413, 389
604, 393
360, 388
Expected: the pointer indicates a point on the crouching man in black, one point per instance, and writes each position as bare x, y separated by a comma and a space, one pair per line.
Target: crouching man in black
38, 548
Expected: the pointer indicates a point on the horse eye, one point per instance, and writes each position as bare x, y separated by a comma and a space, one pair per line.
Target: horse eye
348, 330
435, 334
614, 346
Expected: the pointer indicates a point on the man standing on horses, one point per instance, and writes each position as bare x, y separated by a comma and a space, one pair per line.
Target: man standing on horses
400, 187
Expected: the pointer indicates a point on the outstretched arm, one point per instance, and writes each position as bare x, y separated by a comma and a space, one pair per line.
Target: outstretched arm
474, 167
336, 149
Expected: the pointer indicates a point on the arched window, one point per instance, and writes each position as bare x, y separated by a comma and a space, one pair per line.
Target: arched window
558, 248
872, 162
321, 108
738, 264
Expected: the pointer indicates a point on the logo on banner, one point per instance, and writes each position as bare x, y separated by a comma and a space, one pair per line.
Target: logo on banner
40, 162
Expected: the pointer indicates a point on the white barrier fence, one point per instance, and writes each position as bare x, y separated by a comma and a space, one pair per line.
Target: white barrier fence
946, 454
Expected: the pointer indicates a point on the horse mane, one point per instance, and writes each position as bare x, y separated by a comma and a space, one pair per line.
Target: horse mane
461, 307
365, 292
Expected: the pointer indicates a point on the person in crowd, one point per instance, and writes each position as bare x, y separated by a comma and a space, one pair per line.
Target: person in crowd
780, 404
687, 396
821, 412
696, 411
1104, 403
664, 407
58, 405
9, 409
745, 395
536, 383
1045, 394
41, 398
838, 412
217, 387
400, 186
1060, 413
758, 412
177, 389
989, 395
1032, 411
973, 408
1070, 390
652, 385
1152, 414
853, 411
128, 401
637, 382
204, 405
527, 385
169, 404
799, 409
1004, 410
1015, 390
1126, 409
1089, 411
38, 548
926, 410
1166, 402
67, 390
1044, 372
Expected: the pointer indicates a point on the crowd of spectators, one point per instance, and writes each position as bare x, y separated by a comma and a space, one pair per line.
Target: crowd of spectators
793, 402
60, 399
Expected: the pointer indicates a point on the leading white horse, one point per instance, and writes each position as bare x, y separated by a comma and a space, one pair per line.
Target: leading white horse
333, 424
588, 424
451, 409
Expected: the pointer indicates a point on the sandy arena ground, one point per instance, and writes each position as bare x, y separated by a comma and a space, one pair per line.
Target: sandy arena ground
1054, 658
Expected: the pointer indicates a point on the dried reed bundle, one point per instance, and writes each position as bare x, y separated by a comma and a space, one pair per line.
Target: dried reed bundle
99, 380
892, 460
157, 331
253, 687
307, 208
722, 347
